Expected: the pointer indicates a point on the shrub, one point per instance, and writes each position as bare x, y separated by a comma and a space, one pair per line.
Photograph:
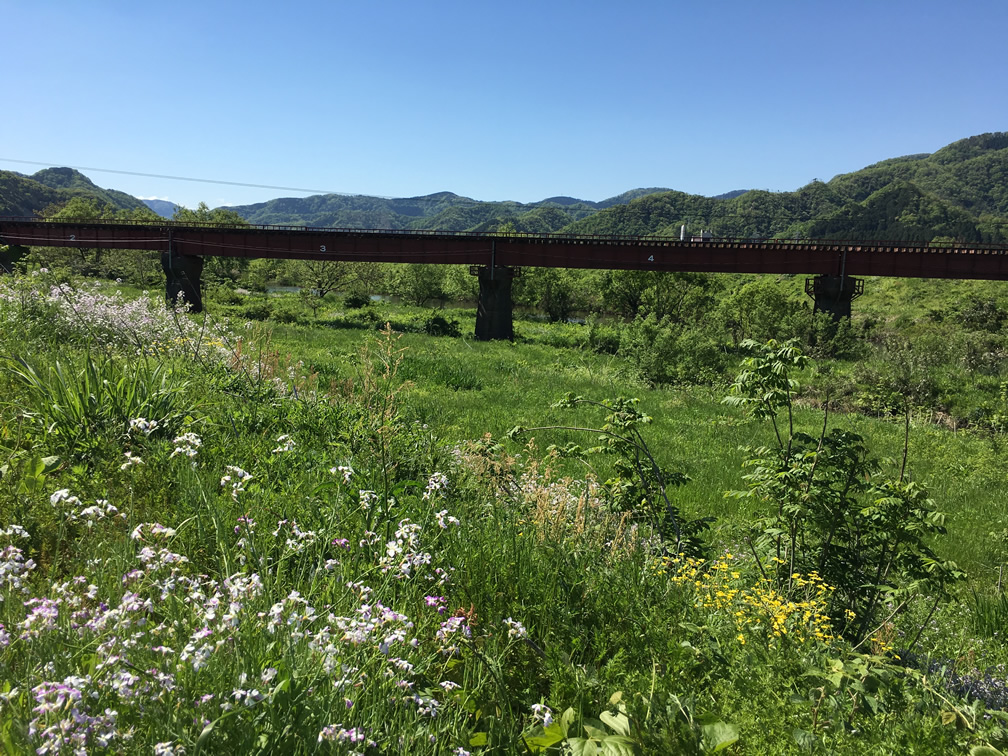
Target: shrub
439, 325
357, 300
666, 353
830, 512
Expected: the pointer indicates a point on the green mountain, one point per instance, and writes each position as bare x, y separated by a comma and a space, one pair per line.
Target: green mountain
22, 195
443, 211
959, 192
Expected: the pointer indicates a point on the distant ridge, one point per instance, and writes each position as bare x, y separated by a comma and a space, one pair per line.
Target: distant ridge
164, 208
958, 192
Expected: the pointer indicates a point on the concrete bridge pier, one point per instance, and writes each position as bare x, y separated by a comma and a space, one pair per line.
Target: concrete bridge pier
494, 310
834, 294
10, 255
182, 279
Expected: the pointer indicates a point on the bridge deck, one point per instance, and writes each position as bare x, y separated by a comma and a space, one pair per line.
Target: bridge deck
831, 257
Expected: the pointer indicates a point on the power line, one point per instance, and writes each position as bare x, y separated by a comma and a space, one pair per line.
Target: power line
182, 178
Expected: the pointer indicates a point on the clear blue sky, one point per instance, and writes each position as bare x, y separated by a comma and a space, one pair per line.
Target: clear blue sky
520, 100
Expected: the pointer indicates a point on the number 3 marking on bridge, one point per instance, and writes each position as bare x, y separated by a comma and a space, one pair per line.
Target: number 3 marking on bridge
651, 259
322, 248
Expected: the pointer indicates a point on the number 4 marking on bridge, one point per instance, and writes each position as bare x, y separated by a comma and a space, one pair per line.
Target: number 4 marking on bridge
651, 259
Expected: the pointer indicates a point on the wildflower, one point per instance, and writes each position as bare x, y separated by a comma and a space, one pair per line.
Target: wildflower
237, 478
154, 530
168, 748
14, 569
284, 444
345, 470
436, 483
542, 713
131, 461
339, 734
143, 425
63, 495
444, 519
515, 629
187, 445
451, 630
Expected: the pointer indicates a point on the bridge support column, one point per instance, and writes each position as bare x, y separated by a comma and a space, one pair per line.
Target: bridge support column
182, 279
10, 255
493, 311
834, 294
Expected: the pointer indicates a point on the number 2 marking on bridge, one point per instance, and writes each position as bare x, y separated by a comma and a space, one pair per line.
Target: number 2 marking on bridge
651, 259
73, 237
322, 248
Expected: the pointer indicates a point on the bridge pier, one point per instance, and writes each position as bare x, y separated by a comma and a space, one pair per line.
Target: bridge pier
182, 279
834, 294
10, 255
494, 310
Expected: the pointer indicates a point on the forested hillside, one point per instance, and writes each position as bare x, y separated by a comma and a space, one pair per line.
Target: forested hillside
959, 192
27, 195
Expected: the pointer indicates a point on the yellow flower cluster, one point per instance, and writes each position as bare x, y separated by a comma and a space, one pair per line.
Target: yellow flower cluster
761, 610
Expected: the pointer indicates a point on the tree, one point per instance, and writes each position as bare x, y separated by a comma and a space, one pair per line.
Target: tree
319, 277
219, 269
419, 284
113, 263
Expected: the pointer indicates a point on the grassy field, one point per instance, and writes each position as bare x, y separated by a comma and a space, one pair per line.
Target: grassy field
326, 541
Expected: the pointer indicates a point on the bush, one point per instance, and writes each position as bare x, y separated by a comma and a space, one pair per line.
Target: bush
438, 325
357, 300
665, 353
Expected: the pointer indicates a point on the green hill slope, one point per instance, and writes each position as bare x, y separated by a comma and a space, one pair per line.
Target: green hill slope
28, 195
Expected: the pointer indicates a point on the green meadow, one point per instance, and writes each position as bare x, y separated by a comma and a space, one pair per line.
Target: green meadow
358, 530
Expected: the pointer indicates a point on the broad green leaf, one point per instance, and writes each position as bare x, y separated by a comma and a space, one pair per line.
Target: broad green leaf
544, 737
618, 723
617, 745
478, 740
595, 729
719, 735
582, 746
566, 720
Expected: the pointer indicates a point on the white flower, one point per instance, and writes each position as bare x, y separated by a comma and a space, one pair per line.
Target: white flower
187, 445
543, 713
131, 461
284, 444
144, 426
444, 519
237, 478
345, 470
62, 495
515, 628
437, 482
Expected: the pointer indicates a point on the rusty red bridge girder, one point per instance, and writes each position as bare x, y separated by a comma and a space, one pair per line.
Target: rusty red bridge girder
854, 258
834, 262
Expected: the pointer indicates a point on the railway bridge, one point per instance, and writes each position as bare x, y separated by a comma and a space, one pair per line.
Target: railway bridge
835, 267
